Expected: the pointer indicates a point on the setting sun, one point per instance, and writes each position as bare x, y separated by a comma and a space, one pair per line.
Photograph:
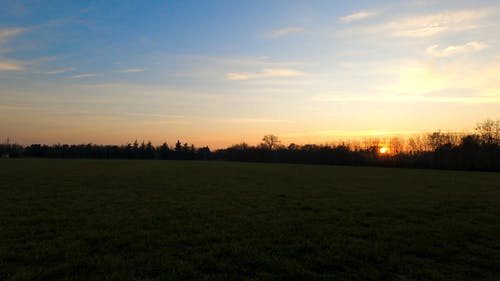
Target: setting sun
383, 150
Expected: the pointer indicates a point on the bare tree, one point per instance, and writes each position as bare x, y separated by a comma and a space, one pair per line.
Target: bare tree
489, 131
270, 142
438, 140
414, 145
372, 142
396, 145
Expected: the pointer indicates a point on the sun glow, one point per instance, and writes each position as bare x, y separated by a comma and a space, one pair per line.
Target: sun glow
383, 150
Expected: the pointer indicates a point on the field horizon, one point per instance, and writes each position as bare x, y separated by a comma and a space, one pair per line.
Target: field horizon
194, 220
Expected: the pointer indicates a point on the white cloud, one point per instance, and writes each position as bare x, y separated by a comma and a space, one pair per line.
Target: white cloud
265, 73
285, 32
6, 33
11, 65
433, 24
357, 16
58, 71
129, 70
84, 75
456, 50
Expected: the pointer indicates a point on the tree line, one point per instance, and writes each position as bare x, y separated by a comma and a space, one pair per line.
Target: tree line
129, 151
438, 150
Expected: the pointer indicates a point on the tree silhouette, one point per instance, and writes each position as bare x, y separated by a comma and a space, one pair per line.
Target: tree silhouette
164, 151
178, 146
489, 131
270, 142
479, 151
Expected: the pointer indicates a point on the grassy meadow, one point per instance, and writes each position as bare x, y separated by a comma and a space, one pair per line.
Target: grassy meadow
183, 220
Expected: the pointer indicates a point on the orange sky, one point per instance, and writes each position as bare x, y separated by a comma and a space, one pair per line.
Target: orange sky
224, 73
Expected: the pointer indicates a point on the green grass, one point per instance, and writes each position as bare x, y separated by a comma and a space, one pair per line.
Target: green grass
168, 220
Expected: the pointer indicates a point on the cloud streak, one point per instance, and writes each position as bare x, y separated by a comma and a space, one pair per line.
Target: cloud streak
11, 65
450, 51
253, 120
364, 133
6, 33
433, 24
84, 75
58, 71
284, 32
131, 70
406, 99
265, 73
357, 16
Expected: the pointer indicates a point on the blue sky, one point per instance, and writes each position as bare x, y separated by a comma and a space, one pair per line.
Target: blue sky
222, 72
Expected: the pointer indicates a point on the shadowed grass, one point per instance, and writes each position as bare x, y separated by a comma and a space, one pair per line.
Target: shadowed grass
167, 220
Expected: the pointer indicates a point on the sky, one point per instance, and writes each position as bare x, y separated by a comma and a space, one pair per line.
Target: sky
218, 73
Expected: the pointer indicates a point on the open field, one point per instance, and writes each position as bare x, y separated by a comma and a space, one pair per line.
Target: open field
167, 220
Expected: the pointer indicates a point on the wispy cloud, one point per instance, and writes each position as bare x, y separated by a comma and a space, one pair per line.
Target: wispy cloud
363, 133
253, 120
84, 75
284, 32
57, 71
151, 115
130, 70
6, 33
433, 24
357, 16
418, 3
15, 107
421, 78
265, 73
406, 99
11, 65
456, 50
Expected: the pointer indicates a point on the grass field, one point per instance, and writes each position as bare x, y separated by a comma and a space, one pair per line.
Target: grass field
167, 220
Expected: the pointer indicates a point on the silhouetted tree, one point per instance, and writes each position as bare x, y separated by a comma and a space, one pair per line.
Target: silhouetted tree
204, 153
479, 151
489, 131
437, 140
178, 146
270, 142
164, 151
